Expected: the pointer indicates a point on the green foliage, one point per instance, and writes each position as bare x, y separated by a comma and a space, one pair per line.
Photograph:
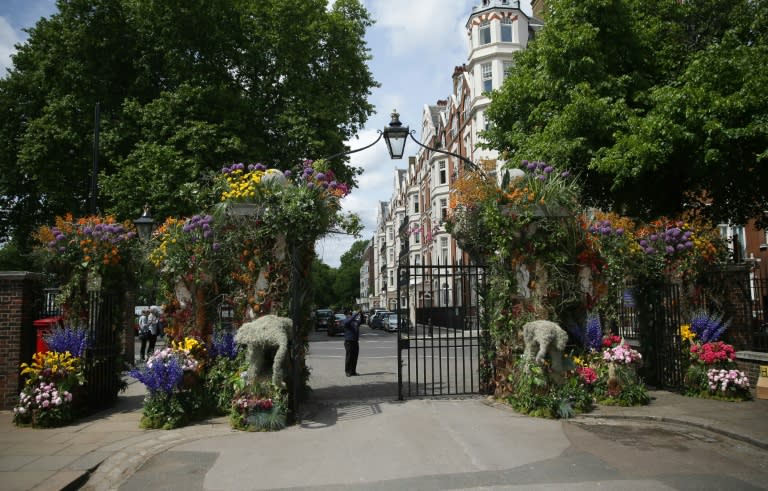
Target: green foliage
183, 87
165, 411
534, 392
221, 381
635, 94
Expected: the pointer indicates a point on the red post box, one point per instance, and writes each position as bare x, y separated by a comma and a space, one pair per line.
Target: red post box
42, 328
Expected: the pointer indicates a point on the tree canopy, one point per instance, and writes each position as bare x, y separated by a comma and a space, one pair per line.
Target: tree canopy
659, 106
184, 87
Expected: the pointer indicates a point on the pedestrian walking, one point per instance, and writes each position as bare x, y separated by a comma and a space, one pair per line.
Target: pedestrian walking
154, 329
144, 333
351, 342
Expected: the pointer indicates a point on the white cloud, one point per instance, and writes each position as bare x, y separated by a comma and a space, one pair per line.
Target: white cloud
8, 38
416, 26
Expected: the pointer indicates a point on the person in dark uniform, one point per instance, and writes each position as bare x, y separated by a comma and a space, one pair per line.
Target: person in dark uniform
351, 342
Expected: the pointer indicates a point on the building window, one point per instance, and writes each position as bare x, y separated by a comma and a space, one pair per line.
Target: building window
415, 203
485, 32
507, 68
441, 173
506, 30
455, 125
391, 277
417, 237
444, 250
444, 208
467, 108
486, 72
391, 256
389, 233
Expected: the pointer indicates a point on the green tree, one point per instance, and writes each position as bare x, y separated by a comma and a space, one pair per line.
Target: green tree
347, 283
658, 105
322, 279
185, 86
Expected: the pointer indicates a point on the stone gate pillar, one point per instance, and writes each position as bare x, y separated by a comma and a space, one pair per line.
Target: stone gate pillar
21, 295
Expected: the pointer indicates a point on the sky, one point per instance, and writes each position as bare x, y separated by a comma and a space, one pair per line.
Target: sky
414, 44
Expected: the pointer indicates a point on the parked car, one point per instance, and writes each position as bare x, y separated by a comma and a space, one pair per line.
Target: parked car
323, 318
337, 326
377, 319
392, 322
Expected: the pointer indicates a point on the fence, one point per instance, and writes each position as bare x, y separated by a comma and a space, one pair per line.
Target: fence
734, 292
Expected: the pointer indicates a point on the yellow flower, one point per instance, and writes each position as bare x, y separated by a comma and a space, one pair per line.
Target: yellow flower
686, 334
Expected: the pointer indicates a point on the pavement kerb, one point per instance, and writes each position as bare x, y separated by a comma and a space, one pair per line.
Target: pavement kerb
708, 426
118, 467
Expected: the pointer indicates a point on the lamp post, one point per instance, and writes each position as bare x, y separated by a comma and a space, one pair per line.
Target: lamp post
144, 225
395, 135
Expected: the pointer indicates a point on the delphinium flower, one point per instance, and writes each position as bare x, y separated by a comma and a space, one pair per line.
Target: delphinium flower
163, 375
707, 327
223, 345
594, 332
68, 339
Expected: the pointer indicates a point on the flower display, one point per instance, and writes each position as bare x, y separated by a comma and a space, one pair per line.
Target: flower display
47, 397
622, 354
87, 241
223, 345
83, 254
707, 327
44, 405
722, 380
713, 353
587, 375
73, 340
63, 368
258, 405
686, 334
594, 332
612, 341
165, 368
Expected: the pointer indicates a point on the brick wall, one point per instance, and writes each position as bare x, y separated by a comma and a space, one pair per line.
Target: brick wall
749, 362
20, 297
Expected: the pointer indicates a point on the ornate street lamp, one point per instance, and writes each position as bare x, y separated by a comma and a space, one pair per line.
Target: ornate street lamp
395, 136
144, 225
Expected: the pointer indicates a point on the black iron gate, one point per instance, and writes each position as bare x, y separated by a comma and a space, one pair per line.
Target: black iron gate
441, 337
102, 357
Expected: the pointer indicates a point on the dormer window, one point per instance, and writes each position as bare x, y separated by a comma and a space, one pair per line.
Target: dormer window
485, 32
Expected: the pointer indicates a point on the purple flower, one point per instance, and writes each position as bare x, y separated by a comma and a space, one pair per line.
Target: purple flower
619, 231
260, 167
650, 250
644, 243
565, 173
320, 176
689, 245
541, 177
216, 246
548, 169
653, 237
530, 165
288, 173
670, 250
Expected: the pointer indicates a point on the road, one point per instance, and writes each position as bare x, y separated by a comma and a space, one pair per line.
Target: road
355, 435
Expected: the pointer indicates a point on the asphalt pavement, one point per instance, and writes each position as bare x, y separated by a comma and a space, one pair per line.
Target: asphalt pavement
355, 434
